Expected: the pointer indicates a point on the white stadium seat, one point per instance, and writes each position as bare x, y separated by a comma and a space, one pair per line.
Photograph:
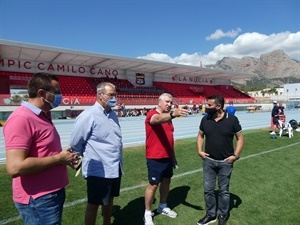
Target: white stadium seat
285, 127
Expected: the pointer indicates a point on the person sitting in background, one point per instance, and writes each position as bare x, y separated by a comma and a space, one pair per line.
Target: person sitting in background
144, 111
135, 112
203, 109
194, 108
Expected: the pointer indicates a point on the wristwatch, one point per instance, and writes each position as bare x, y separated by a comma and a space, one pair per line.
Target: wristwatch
236, 157
171, 114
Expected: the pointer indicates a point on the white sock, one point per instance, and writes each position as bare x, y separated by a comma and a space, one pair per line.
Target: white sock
148, 212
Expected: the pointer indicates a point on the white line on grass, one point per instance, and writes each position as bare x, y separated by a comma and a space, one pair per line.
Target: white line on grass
79, 201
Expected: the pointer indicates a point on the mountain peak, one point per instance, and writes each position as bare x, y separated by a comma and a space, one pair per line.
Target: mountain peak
275, 65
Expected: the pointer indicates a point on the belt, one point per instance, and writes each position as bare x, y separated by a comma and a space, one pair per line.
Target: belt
215, 159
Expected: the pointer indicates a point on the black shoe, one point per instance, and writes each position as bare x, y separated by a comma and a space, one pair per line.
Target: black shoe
222, 220
207, 219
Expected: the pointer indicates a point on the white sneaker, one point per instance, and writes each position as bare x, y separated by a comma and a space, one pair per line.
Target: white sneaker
167, 212
273, 132
148, 219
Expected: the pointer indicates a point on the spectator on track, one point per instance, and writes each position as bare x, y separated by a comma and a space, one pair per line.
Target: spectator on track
281, 108
231, 109
275, 117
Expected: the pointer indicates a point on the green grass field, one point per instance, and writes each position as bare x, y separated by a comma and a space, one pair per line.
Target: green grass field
264, 186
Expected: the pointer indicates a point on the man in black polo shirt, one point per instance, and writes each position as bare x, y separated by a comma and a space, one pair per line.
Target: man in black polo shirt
218, 128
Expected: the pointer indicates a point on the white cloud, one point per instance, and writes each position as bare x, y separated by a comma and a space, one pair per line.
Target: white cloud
185, 59
220, 34
247, 44
158, 57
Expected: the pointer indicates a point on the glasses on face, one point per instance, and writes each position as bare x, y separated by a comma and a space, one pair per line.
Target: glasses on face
111, 95
57, 92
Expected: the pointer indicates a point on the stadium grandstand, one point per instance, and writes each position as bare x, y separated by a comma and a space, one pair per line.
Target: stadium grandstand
139, 82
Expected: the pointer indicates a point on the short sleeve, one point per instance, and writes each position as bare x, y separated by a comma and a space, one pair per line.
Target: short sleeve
17, 133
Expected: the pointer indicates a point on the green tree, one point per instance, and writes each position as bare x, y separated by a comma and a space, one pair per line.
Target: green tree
16, 99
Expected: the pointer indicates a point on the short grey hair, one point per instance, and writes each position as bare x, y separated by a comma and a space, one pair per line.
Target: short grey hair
101, 86
162, 96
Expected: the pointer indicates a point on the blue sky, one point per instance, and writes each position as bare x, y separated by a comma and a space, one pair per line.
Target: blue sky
183, 31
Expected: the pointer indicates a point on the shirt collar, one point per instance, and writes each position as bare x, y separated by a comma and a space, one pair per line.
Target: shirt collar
37, 111
31, 107
102, 109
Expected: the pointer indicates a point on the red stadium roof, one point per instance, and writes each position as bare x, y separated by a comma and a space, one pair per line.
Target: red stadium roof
25, 51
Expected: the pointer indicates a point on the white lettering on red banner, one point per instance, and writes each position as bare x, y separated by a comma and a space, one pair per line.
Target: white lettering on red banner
70, 101
28, 66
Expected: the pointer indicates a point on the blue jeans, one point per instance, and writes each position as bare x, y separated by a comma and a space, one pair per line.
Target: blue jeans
213, 170
45, 210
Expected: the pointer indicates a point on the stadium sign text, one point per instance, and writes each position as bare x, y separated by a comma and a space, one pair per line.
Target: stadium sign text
188, 79
70, 101
28, 66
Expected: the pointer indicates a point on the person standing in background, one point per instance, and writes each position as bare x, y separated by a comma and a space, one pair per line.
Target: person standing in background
218, 156
275, 118
34, 158
281, 108
97, 137
160, 154
231, 109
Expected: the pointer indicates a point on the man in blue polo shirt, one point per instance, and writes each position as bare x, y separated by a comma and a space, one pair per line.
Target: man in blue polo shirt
218, 128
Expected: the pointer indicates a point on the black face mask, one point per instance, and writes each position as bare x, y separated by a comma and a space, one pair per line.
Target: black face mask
211, 111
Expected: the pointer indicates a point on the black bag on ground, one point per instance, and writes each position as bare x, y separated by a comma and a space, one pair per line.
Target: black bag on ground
293, 123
